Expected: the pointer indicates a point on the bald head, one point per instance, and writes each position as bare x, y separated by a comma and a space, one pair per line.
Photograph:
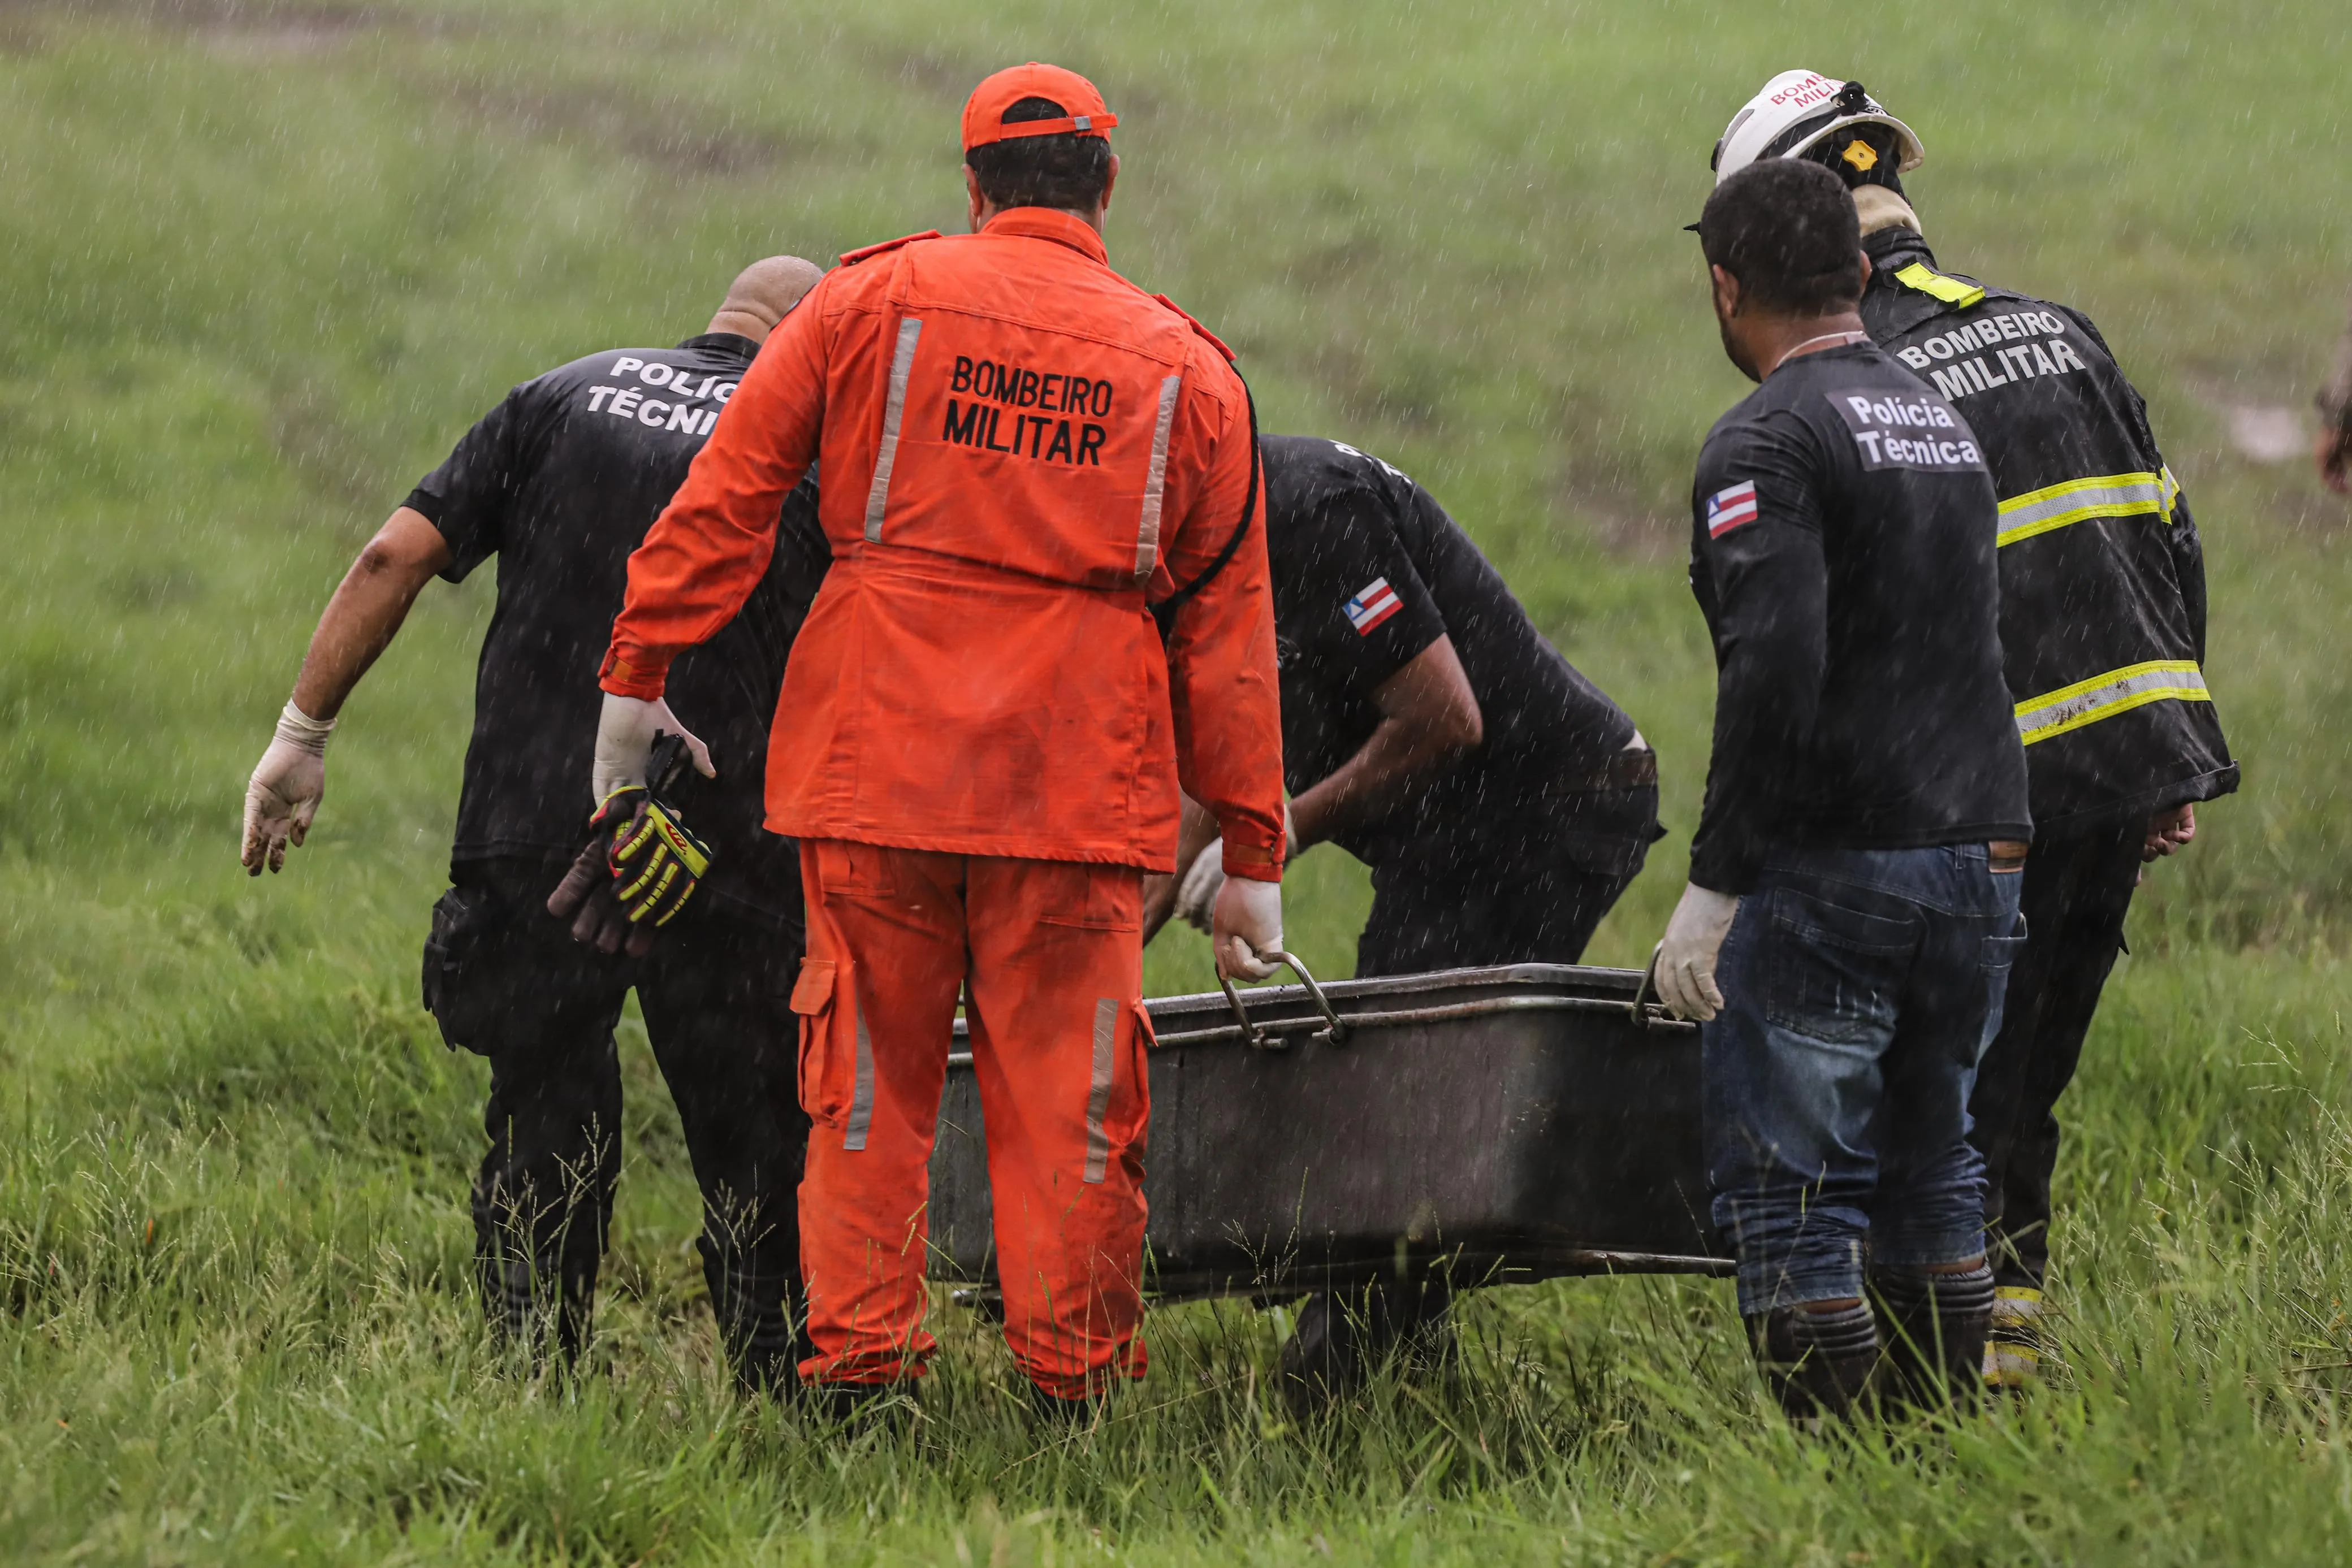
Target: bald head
762, 293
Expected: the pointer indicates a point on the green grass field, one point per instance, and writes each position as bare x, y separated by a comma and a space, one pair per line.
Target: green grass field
262, 264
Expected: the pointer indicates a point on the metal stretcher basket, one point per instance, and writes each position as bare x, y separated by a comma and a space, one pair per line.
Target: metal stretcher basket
1512, 1124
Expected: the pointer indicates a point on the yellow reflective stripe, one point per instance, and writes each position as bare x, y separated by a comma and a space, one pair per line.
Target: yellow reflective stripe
672, 912
1950, 290
632, 838
647, 904
2076, 500
2171, 492
654, 864
2103, 697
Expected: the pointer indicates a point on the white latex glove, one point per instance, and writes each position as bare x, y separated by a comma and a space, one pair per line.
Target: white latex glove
1197, 889
283, 795
1246, 923
1686, 959
624, 742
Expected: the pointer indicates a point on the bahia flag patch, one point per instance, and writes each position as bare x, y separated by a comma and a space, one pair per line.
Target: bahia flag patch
1373, 604
1727, 509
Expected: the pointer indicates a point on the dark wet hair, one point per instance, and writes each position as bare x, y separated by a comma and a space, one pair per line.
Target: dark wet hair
1787, 230
1067, 170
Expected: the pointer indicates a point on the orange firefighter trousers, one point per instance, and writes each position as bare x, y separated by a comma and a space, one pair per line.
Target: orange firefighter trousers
1052, 954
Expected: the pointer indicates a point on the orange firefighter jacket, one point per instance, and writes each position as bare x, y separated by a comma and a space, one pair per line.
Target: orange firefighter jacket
1020, 450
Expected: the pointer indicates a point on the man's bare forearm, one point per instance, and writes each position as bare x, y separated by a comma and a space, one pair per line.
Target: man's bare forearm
367, 610
1385, 772
1429, 720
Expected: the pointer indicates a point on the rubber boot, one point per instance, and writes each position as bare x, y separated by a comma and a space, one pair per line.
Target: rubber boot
1935, 1335
1817, 1362
2013, 1339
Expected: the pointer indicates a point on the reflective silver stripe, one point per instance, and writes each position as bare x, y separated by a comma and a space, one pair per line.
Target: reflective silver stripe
1147, 539
2103, 697
861, 1094
2112, 495
1098, 1092
902, 364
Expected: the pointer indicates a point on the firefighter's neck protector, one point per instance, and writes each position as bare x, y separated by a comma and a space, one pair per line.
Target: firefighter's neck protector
1880, 208
1086, 114
1798, 109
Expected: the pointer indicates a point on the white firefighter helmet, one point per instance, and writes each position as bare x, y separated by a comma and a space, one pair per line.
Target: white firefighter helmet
1797, 109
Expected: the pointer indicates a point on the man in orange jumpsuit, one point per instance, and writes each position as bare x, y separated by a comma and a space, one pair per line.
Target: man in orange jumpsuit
1030, 467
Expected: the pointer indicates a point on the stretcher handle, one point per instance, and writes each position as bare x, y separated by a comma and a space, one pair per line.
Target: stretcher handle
1649, 1012
1333, 1032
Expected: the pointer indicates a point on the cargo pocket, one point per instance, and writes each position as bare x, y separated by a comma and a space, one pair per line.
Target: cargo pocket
1834, 974
1089, 898
836, 1077
450, 978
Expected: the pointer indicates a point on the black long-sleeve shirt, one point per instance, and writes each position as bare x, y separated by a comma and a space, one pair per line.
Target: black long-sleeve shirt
1842, 551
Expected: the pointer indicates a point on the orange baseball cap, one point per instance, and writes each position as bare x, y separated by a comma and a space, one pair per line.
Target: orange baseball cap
984, 111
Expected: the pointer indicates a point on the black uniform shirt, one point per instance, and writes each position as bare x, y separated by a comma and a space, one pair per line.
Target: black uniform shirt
1842, 550
561, 481
1368, 572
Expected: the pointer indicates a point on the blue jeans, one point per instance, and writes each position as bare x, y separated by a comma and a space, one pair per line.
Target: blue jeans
1861, 986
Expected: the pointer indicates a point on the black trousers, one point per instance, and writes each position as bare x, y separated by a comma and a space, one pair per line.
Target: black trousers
505, 980
1454, 902
2078, 888
1457, 901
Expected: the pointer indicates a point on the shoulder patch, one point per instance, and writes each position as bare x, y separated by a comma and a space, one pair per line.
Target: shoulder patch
851, 257
1729, 509
1214, 341
1956, 291
1372, 605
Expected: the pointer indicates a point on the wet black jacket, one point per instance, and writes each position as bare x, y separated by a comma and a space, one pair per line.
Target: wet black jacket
2101, 574
560, 482
1842, 550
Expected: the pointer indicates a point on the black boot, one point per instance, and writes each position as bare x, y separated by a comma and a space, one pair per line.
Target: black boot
535, 1304
1935, 1335
762, 1321
537, 1260
1818, 1363
1344, 1335
1067, 1414
859, 1408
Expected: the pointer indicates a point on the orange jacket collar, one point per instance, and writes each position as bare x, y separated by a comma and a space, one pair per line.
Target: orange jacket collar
1053, 223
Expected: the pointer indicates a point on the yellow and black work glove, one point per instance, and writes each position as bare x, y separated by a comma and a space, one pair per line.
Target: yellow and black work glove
587, 896
639, 867
656, 864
